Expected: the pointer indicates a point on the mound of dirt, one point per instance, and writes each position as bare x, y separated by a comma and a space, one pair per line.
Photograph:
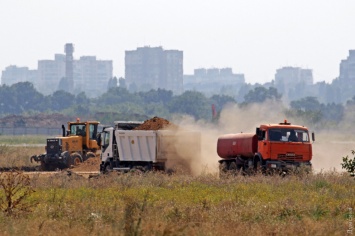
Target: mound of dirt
91, 164
156, 123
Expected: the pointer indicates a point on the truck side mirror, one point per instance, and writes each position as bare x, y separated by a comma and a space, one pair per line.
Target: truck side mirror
313, 137
260, 133
98, 139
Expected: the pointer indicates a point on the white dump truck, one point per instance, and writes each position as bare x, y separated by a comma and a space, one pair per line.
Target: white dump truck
124, 149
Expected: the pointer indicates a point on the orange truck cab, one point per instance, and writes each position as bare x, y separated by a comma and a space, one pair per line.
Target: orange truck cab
282, 147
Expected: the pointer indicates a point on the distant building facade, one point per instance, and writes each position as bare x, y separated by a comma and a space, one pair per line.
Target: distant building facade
13, 74
152, 68
214, 81
347, 69
50, 72
91, 75
87, 74
293, 82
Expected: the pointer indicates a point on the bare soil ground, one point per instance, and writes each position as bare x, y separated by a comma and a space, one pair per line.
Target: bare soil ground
91, 164
54, 120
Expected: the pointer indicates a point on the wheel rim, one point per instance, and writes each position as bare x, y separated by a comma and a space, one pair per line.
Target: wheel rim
233, 166
76, 161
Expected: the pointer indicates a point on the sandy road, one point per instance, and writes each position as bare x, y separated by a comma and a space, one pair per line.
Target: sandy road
85, 174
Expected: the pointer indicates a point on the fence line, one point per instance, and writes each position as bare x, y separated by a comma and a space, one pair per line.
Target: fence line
30, 131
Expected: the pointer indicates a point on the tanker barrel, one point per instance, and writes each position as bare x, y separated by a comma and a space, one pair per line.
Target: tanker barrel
244, 145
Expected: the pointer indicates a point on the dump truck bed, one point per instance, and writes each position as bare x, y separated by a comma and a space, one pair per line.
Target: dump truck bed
157, 146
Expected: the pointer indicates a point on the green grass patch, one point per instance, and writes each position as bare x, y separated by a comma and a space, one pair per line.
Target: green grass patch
23, 139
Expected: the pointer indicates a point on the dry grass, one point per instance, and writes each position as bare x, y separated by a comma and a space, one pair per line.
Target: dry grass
18, 156
180, 204
158, 204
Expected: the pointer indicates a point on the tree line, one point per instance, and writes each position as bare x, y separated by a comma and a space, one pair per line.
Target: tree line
119, 103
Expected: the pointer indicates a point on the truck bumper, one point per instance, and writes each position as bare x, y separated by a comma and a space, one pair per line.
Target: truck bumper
287, 166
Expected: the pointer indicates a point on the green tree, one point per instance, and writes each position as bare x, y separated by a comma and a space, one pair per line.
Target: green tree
332, 112
306, 104
20, 97
192, 103
61, 100
349, 164
112, 83
221, 100
7, 101
261, 94
118, 95
156, 96
82, 99
64, 84
122, 83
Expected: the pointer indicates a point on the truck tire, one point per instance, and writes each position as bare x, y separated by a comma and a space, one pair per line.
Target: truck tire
75, 159
108, 168
233, 168
257, 165
223, 169
90, 155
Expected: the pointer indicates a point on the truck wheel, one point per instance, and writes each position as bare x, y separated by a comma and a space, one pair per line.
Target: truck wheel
223, 169
90, 155
233, 168
257, 166
75, 159
108, 168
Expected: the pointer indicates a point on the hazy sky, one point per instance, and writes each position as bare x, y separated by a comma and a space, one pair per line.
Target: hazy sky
254, 37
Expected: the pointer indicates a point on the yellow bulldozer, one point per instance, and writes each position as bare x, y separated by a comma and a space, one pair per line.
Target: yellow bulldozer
77, 144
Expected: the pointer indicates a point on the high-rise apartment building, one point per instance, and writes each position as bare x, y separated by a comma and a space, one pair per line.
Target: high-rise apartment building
13, 74
152, 68
91, 75
87, 74
347, 70
214, 81
293, 75
292, 82
50, 72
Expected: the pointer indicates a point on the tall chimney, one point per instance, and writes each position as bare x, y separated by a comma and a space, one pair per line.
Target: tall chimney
69, 71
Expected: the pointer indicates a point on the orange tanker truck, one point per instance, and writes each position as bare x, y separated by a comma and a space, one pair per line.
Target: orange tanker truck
274, 147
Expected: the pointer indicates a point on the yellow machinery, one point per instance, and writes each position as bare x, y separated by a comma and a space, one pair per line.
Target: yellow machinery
77, 144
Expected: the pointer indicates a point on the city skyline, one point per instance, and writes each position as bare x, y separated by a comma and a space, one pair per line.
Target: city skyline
252, 37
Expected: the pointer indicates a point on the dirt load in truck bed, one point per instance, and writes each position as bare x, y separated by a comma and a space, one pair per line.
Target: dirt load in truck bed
156, 123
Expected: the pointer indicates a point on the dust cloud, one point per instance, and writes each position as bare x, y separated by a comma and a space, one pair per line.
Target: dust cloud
328, 149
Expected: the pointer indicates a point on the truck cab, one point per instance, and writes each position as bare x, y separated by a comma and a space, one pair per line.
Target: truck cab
107, 142
284, 146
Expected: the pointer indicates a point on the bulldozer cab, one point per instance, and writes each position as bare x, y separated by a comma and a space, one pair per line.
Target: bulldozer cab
87, 130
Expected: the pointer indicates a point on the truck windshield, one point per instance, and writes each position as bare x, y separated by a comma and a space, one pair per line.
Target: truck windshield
288, 135
77, 129
106, 139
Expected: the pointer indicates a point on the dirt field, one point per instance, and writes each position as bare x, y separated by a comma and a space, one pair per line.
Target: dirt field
54, 120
